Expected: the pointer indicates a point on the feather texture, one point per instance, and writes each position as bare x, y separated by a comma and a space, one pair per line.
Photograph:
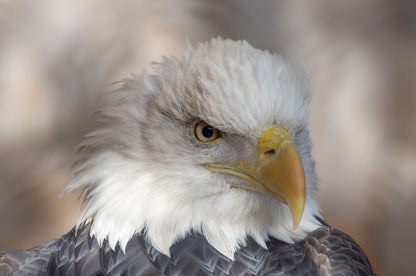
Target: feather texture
142, 169
326, 251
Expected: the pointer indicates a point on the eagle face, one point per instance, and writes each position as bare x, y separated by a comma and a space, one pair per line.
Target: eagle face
215, 143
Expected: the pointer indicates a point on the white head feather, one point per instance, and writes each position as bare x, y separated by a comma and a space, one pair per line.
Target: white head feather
142, 169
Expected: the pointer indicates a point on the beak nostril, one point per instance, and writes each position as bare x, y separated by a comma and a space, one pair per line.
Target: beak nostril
270, 152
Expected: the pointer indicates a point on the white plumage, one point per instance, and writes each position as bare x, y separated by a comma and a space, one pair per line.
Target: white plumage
142, 169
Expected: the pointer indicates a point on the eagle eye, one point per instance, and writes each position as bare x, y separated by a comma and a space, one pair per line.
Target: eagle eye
205, 133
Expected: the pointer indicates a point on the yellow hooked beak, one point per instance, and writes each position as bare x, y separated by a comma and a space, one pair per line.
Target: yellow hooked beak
277, 173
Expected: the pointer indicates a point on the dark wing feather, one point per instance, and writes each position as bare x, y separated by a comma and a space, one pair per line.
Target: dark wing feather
195, 256
325, 251
336, 253
30, 262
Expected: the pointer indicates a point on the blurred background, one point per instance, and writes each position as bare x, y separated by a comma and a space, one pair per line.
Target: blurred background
57, 57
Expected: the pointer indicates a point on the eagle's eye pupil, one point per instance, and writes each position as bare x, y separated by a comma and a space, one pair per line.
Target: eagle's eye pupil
207, 131
204, 133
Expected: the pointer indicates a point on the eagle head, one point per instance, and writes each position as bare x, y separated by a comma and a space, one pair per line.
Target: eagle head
216, 142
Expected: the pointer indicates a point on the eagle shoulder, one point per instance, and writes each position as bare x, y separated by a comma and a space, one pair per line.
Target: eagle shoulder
26, 262
336, 253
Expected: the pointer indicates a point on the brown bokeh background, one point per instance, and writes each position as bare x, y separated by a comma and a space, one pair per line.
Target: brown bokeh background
57, 57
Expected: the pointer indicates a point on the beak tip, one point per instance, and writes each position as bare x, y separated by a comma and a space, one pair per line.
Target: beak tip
296, 209
296, 224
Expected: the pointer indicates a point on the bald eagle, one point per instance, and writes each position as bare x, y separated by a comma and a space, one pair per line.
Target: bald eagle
202, 168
